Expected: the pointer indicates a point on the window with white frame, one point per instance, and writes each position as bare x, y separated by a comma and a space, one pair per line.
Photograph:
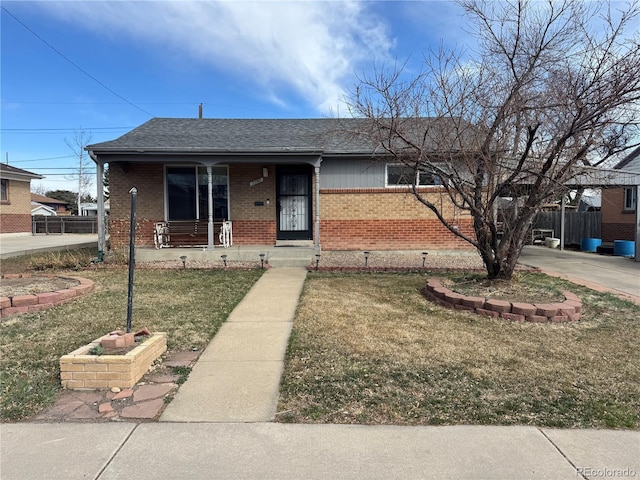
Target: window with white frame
187, 193
630, 199
401, 175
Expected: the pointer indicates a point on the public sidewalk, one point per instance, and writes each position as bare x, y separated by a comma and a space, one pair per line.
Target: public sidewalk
204, 451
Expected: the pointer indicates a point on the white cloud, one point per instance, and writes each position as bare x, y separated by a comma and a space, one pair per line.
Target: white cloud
312, 48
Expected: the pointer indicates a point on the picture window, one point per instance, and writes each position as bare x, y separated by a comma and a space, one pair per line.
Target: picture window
401, 175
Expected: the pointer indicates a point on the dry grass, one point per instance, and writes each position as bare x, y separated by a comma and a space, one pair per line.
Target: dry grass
75, 259
523, 287
188, 304
370, 349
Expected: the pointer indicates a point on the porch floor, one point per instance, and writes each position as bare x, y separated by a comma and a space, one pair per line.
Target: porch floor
276, 256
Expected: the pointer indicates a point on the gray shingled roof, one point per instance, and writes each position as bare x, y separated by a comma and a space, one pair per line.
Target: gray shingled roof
631, 162
15, 172
326, 135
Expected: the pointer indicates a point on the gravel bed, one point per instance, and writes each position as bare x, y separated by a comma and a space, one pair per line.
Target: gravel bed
197, 264
353, 259
404, 259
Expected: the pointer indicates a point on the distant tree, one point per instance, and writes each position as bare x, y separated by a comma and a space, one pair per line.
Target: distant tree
70, 198
81, 177
551, 88
65, 196
38, 189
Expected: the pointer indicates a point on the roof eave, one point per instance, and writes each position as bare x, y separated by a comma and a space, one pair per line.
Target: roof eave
201, 151
21, 177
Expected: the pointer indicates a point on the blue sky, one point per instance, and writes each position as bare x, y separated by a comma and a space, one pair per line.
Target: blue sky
106, 67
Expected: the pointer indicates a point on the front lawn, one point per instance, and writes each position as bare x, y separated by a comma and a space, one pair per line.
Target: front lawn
368, 348
188, 304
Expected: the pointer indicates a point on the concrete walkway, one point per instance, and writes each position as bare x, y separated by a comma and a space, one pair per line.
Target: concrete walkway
237, 377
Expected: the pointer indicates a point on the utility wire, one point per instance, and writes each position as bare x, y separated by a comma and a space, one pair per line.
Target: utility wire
18, 130
41, 159
66, 174
73, 63
56, 168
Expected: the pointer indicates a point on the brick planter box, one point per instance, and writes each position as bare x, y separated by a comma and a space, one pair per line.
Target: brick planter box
81, 371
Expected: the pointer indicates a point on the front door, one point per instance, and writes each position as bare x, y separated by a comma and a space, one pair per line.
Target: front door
293, 184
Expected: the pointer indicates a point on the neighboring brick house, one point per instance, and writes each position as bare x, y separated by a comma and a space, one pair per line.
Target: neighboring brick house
60, 207
15, 200
278, 181
619, 204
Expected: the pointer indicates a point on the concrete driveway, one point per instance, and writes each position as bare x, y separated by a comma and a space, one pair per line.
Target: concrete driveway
14, 246
618, 275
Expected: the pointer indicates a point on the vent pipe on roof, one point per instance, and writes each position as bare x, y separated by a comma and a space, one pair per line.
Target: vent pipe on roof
200, 111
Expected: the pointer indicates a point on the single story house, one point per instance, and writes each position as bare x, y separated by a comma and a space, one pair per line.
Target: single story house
37, 209
90, 209
619, 205
60, 207
15, 199
279, 182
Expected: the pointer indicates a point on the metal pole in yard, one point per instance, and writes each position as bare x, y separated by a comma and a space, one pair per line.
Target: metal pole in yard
562, 220
132, 241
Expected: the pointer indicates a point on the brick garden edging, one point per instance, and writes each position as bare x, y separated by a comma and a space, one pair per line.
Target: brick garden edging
80, 371
567, 311
41, 301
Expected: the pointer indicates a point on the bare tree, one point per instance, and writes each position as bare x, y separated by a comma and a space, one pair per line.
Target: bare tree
551, 88
81, 176
38, 189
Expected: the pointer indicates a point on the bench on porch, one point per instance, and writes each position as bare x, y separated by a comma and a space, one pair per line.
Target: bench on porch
189, 233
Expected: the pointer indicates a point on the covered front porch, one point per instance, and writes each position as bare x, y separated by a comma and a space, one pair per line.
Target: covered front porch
196, 202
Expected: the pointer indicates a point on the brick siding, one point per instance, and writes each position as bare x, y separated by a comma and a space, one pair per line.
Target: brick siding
385, 219
617, 223
617, 231
242, 196
149, 181
15, 212
15, 223
350, 219
390, 234
254, 232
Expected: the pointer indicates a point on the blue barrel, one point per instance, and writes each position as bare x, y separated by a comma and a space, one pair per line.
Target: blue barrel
590, 244
624, 248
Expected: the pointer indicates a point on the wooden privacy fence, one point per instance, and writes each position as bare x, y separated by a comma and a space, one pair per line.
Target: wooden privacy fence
42, 224
577, 225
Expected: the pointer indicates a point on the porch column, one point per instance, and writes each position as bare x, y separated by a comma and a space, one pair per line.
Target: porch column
100, 194
317, 223
210, 213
